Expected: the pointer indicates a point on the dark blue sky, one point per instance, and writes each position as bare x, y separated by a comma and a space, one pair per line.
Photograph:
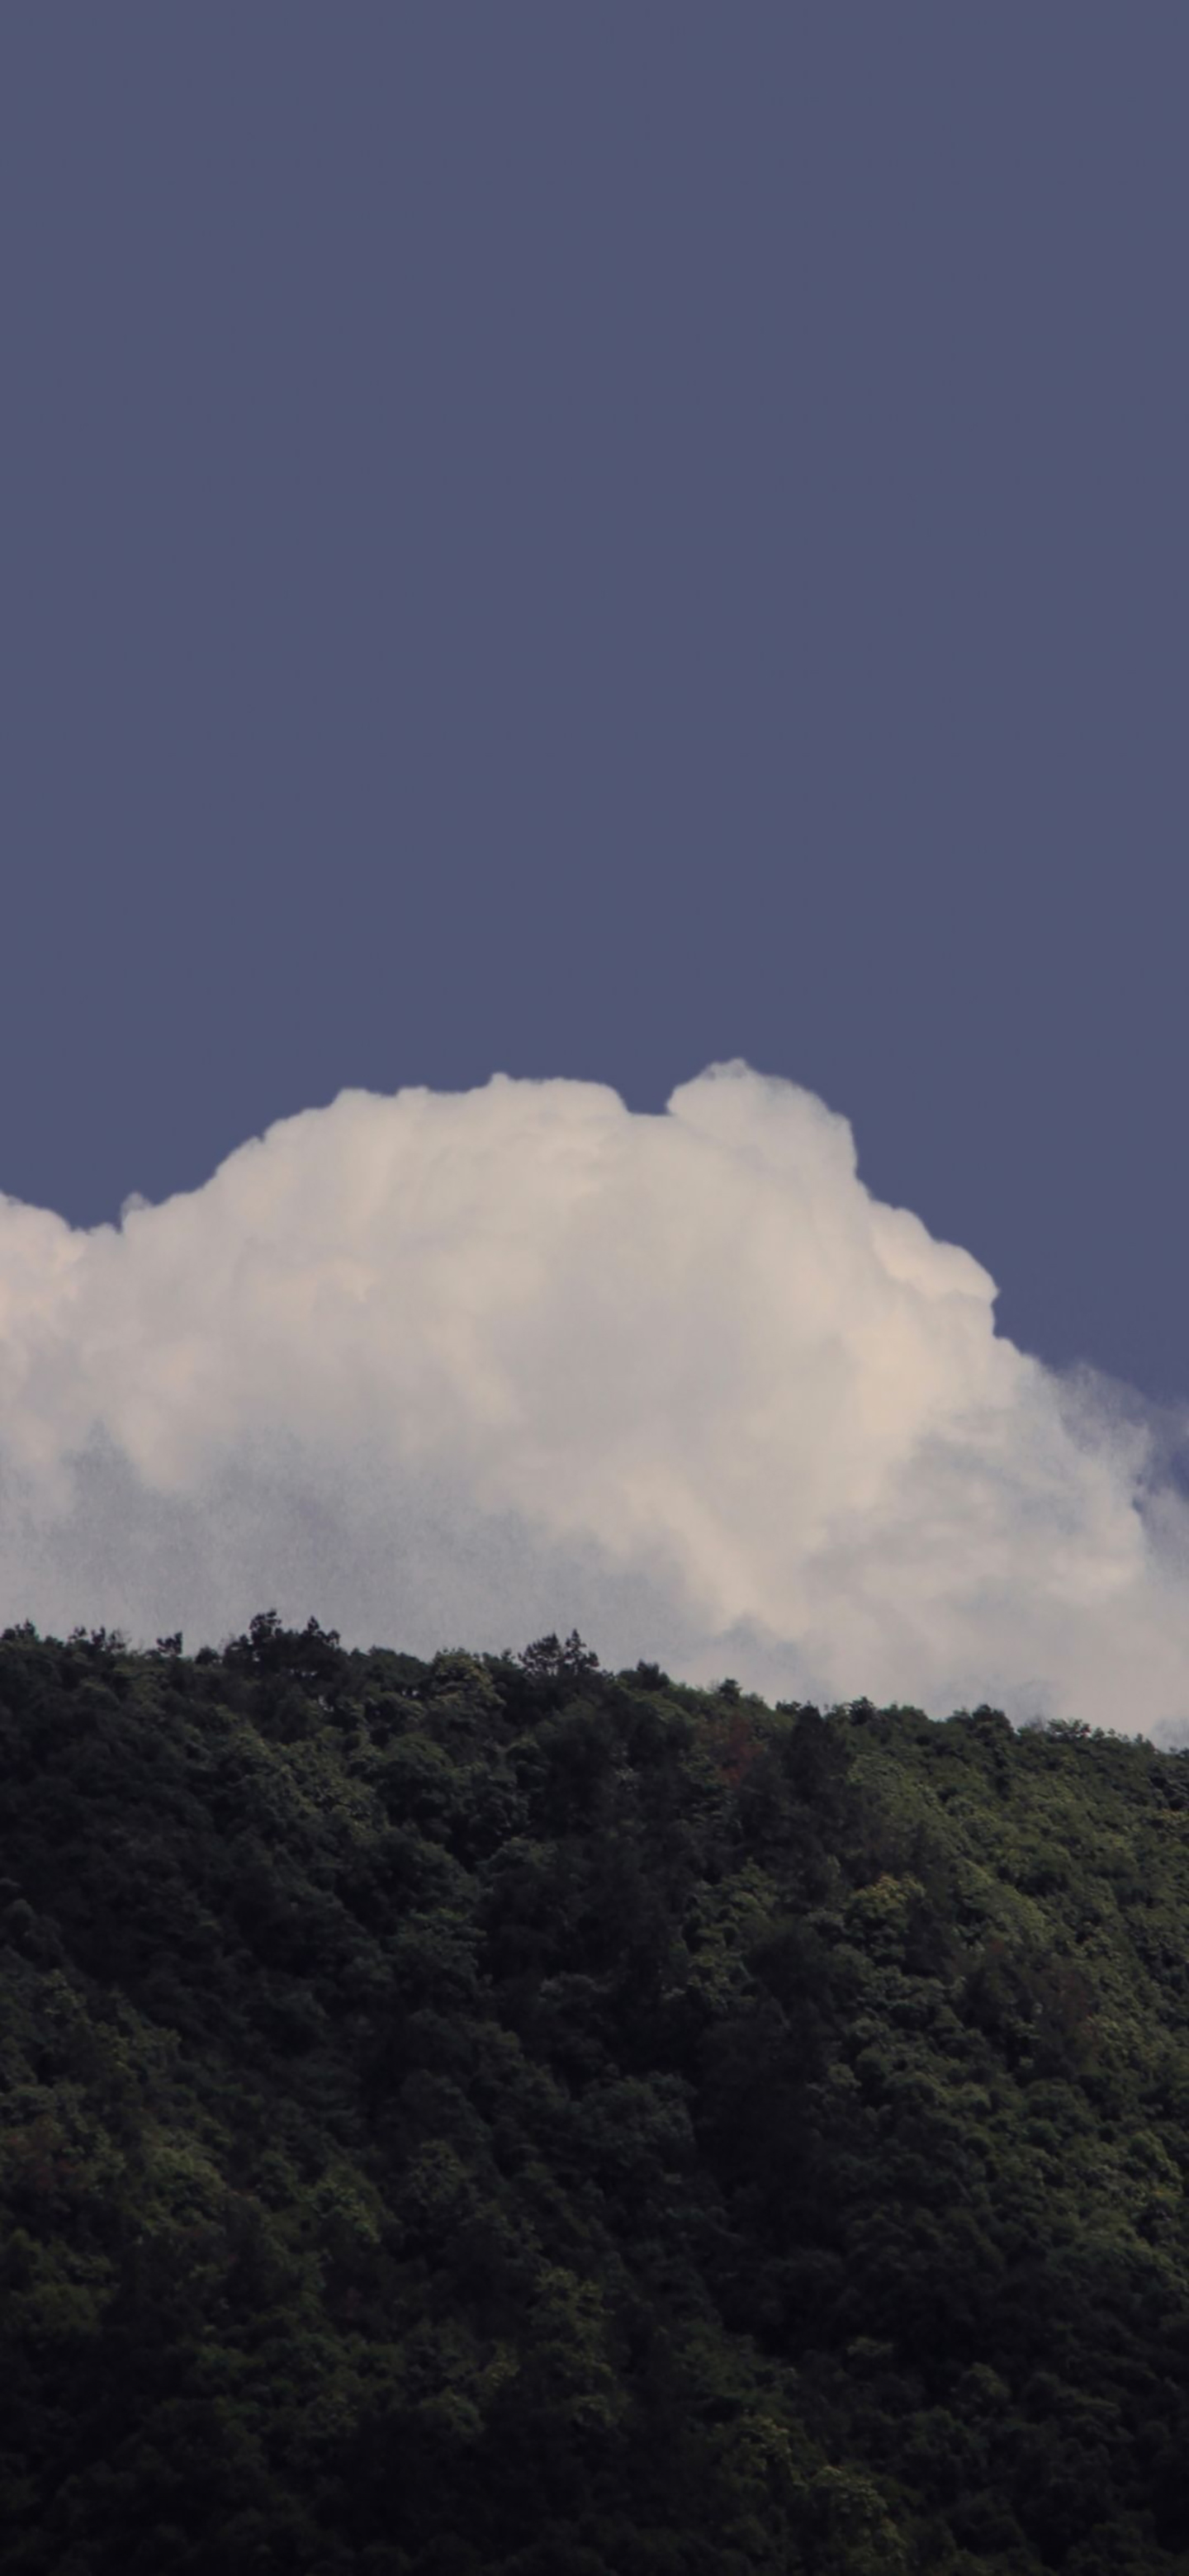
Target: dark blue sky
588, 540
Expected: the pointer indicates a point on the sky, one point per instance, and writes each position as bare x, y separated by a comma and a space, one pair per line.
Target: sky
586, 546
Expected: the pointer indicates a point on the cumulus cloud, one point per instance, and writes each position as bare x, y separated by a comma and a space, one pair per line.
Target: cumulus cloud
451, 1368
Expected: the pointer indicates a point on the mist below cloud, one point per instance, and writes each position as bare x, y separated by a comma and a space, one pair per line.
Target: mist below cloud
450, 1368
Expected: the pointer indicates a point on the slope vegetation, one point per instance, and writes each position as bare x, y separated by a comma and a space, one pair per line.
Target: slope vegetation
497, 2115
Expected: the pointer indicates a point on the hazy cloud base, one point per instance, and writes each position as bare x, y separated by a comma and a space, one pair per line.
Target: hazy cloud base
457, 1368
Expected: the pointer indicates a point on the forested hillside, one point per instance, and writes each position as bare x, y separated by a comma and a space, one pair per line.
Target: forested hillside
495, 2117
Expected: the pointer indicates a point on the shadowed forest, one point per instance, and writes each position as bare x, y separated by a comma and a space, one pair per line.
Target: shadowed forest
496, 2117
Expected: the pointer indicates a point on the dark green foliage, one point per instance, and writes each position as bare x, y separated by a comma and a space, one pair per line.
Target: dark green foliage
492, 2117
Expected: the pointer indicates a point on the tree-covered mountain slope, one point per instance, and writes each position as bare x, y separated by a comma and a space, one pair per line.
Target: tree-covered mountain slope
496, 2115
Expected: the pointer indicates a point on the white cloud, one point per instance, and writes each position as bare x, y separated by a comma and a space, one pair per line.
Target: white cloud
462, 1367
